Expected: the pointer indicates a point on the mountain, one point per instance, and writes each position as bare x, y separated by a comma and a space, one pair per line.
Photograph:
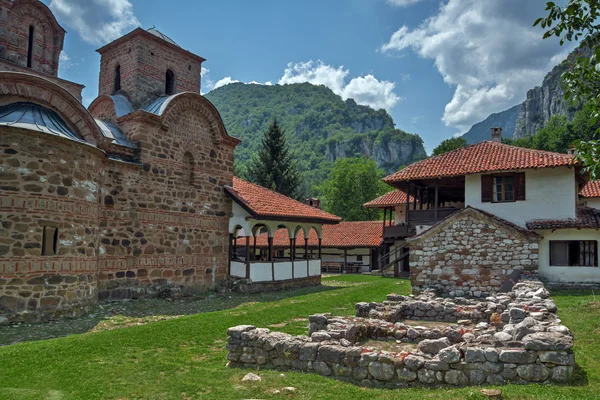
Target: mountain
541, 104
505, 119
320, 127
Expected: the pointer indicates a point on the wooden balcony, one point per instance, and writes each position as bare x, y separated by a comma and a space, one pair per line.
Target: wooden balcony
429, 217
398, 231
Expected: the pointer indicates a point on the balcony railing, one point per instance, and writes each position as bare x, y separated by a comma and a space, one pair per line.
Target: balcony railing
398, 231
425, 217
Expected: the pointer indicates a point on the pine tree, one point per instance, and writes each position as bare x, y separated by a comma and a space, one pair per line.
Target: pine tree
274, 167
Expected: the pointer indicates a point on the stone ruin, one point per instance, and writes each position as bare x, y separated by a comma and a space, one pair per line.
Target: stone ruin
423, 340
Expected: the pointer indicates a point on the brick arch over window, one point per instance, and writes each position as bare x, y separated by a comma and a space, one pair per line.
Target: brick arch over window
184, 102
48, 34
27, 87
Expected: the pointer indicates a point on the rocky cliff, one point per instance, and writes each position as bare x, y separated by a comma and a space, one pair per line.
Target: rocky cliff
506, 120
320, 127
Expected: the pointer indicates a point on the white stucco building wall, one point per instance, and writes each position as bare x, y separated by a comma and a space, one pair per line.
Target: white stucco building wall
558, 274
550, 193
593, 202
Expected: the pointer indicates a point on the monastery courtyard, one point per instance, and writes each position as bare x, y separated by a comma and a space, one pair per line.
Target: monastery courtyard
183, 358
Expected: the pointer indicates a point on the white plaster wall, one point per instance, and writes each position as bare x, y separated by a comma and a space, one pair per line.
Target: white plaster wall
314, 267
300, 269
261, 272
592, 202
283, 271
238, 269
557, 274
550, 193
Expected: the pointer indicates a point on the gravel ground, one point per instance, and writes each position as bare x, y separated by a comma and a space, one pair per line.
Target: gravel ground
106, 316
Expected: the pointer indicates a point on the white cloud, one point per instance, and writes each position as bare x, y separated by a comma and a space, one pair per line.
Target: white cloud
222, 82
487, 49
402, 3
97, 21
365, 90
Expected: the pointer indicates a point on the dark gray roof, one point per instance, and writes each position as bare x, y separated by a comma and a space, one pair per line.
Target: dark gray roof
111, 131
122, 105
35, 117
158, 106
161, 35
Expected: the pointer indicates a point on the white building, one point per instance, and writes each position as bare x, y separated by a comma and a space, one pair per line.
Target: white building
492, 209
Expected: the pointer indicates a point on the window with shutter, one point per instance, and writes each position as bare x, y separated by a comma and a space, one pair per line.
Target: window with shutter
574, 253
520, 186
486, 188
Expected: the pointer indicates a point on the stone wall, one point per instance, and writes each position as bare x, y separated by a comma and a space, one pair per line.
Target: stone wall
47, 183
530, 347
470, 253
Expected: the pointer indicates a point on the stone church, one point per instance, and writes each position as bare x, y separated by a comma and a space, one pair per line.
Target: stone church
115, 201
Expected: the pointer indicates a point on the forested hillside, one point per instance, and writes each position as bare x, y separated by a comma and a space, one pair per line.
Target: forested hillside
319, 125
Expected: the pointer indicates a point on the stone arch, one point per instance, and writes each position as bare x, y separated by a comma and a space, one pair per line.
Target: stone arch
257, 224
182, 102
318, 230
17, 86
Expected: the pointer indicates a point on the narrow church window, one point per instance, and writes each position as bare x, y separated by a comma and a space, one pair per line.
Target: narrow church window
49, 241
170, 83
30, 46
118, 78
188, 176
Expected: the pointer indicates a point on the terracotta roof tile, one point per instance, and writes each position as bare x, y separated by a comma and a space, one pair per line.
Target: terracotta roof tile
263, 203
591, 189
486, 156
587, 218
342, 235
391, 199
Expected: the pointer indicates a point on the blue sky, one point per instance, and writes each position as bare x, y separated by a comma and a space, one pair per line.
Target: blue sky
437, 67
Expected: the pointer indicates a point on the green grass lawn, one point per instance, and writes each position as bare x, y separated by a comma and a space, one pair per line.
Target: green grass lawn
184, 358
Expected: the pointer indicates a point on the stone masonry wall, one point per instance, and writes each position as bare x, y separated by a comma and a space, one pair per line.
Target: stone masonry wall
470, 254
47, 183
530, 347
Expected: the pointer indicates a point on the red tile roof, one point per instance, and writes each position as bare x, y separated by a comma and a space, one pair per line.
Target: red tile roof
587, 218
263, 203
342, 235
391, 199
591, 189
486, 156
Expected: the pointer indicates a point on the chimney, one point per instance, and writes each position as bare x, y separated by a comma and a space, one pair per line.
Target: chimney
497, 135
572, 151
316, 203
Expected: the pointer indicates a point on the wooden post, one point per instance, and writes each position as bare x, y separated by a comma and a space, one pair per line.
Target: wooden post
292, 251
247, 257
235, 246
384, 218
345, 261
407, 205
254, 247
436, 201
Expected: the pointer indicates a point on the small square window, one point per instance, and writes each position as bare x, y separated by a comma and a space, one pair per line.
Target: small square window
359, 258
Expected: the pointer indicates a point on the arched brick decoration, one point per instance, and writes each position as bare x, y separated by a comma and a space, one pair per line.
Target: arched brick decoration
39, 90
103, 108
49, 36
185, 102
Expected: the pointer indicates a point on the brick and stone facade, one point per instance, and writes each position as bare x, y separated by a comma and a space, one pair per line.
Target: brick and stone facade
470, 253
108, 215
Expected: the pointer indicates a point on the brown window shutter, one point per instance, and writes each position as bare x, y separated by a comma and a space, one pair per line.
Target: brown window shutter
520, 186
487, 188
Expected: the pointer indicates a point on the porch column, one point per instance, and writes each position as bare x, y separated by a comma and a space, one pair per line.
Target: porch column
270, 256
306, 256
407, 205
254, 247
345, 261
230, 254
320, 253
247, 257
292, 255
436, 201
